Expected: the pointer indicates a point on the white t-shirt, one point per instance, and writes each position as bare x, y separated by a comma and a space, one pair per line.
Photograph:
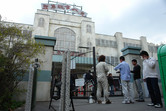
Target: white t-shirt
149, 68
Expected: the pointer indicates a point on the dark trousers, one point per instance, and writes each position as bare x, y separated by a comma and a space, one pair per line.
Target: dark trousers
154, 91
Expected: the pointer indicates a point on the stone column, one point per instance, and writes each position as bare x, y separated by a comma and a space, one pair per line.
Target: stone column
44, 74
120, 45
144, 43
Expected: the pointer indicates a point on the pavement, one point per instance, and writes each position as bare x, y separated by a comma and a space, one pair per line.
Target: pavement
83, 105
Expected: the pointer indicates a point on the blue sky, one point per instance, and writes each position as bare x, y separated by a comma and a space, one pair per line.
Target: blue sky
134, 18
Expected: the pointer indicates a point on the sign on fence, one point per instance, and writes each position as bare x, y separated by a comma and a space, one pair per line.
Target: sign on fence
79, 82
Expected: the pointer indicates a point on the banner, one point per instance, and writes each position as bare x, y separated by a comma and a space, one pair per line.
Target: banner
63, 7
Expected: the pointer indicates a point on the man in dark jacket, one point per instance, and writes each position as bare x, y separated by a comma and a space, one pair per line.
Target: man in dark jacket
137, 79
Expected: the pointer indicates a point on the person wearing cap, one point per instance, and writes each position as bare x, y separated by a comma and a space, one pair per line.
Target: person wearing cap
150, 76
125, 80
137, 80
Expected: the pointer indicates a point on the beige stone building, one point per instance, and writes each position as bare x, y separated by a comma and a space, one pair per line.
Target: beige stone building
71, 32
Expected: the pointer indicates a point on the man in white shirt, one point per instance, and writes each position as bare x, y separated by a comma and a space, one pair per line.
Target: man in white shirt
150, 75
102, 82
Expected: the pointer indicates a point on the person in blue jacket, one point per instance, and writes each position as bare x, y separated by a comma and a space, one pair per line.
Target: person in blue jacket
125, 80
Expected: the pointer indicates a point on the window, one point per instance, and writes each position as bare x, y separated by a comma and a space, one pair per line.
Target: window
41, 22
112, 60
152, 49
110, 43
131, 44
65, 39
107, 59
89, 44
114, 44
106, 43
88, 29
27, 33
116, 61
102, 42
97, 42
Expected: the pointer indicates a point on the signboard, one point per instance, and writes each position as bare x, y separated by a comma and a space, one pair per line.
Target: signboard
64, 7
79, 82
73, 64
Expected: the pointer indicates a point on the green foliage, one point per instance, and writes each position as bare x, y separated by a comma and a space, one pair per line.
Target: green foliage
14, 104
17, 50
17, 104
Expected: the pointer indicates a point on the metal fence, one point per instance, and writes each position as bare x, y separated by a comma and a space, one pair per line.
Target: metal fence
82, 74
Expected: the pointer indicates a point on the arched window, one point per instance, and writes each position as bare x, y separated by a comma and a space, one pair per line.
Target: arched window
89, 44
65, 39
88, 29
41, 22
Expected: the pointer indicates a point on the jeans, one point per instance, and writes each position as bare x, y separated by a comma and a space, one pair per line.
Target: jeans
139, 89
154, 91
127, 90
111, 89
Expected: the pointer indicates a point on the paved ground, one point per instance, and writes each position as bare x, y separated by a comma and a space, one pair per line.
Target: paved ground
83, 105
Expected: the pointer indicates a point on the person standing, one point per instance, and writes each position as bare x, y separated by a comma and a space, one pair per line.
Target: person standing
102, 82
150, 76
137, 79
111, 83
88, 76
125, 80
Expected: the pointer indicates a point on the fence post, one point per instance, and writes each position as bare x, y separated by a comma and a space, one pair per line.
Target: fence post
65, 87
67, 95
94, 75
29, 89
36, 65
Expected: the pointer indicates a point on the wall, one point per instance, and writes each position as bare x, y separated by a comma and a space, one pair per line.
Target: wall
44, 76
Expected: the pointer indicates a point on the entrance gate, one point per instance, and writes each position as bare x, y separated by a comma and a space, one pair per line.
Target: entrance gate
82, 64
83, 69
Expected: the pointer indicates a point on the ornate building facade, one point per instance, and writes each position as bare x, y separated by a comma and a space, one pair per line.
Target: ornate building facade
73, 31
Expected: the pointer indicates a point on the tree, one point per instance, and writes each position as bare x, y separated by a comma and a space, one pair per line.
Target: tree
17, 50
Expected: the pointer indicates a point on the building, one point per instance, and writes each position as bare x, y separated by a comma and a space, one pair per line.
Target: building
72, 29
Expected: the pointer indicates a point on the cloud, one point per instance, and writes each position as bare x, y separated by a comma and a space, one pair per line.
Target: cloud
158, 38
134, 18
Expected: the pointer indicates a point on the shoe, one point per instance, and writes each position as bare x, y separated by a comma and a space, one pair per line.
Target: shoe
158, 106
138, 100
108, 102
132, 102
125, 102
151, 104
99, 101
